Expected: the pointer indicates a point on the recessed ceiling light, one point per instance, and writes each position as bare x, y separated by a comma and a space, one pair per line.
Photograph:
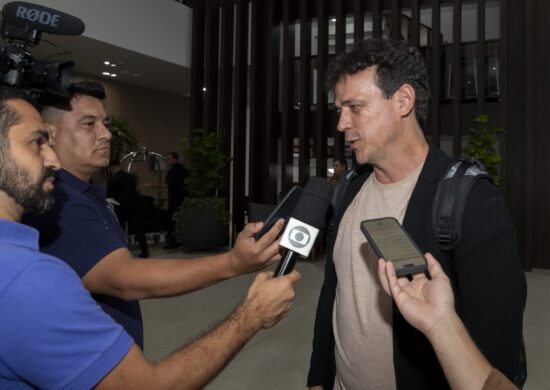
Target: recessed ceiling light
113, 75
113, 65
333, 20
204, 89
106, 62
106, 74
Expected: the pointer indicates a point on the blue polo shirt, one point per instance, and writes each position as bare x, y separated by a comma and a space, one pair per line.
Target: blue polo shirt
52, 333
81, 229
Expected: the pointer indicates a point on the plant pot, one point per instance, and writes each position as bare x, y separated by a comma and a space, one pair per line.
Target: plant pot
201, 228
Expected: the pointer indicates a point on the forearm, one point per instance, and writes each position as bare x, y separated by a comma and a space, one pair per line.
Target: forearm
191, 367
120, 275
196, 364
152, 278
462, 362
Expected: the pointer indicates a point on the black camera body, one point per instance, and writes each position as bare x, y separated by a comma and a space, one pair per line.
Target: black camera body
22, 26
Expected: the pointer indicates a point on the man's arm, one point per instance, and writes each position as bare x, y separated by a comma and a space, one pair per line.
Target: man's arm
195, 365
119, 274
428, 305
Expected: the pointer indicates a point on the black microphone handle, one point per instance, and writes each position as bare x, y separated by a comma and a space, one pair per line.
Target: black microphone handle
286, 264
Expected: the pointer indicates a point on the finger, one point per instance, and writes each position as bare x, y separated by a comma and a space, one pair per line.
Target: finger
434, 268
262, 276
273, 233
382, 269
382, 276
418, 276
274, 259
394, 286
293, 277
272, 251
251, 228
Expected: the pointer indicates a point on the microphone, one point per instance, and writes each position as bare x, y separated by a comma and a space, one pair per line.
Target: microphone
308, 218
40, 18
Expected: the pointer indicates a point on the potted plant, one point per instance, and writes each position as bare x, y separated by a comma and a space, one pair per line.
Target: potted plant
123, 139
482, 146
202, 221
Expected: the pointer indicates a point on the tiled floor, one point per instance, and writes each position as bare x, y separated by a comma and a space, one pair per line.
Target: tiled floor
278, 358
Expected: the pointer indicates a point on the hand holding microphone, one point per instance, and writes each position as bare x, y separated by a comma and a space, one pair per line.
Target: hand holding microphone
308, 218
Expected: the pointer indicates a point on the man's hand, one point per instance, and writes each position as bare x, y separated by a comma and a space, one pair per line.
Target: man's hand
269, 299
425, 304
249, 255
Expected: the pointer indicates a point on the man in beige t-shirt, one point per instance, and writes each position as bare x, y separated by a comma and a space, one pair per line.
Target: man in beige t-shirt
360, 341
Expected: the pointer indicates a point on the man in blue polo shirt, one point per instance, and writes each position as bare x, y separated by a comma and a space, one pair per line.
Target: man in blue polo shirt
52, 333
81, 228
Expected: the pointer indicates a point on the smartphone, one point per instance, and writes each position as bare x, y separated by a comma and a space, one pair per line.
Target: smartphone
283, 210
390, 241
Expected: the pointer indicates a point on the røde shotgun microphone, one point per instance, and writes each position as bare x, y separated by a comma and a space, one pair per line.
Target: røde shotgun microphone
308, 218
40, 18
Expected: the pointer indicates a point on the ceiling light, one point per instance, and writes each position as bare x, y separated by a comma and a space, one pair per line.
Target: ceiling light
204, 89
106, 62
333, 20
113, 65
106, 74
113, 74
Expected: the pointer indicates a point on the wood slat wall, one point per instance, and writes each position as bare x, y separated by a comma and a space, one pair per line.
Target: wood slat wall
261, 91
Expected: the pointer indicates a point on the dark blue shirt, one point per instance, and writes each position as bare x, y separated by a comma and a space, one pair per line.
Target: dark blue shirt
81, 229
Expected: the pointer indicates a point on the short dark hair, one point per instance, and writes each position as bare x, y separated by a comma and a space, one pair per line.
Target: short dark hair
174, 155
342, 161
8, 116
396, 62
83, 88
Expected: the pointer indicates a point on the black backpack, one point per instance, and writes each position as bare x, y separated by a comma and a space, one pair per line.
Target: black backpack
450, 200
448, 209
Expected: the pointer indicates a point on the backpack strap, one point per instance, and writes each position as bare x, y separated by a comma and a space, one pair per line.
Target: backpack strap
450, 200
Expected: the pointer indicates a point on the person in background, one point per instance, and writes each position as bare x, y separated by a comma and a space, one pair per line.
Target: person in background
340, 167
175, 182
122, 187
52, 333
429, 306
83, 231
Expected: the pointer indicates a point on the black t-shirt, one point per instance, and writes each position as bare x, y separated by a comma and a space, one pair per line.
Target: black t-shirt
175, 180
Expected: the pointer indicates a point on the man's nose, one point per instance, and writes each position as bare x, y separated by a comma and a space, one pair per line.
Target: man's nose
105, 133
344, 120
50, 158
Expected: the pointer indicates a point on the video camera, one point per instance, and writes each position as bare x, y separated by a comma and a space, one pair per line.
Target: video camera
22, 26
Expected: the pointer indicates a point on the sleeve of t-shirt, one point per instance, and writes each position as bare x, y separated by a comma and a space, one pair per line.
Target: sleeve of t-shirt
56, 335
81, 237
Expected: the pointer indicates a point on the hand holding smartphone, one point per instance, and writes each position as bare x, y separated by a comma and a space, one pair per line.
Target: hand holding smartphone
391, 242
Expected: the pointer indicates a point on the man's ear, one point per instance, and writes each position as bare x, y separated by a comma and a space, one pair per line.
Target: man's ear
52, 132
406, 98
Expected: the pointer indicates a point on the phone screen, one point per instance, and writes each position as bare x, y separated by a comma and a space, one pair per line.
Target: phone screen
390, 241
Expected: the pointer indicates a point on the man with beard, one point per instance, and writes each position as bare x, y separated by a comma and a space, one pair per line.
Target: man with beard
52, 333
82, 230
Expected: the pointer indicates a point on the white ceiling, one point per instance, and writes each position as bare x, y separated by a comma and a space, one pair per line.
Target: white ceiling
133, 68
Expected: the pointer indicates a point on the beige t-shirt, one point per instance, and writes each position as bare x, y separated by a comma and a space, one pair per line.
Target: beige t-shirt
362, 316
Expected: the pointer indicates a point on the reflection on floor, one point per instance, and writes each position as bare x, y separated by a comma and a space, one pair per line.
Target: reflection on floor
278, 358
